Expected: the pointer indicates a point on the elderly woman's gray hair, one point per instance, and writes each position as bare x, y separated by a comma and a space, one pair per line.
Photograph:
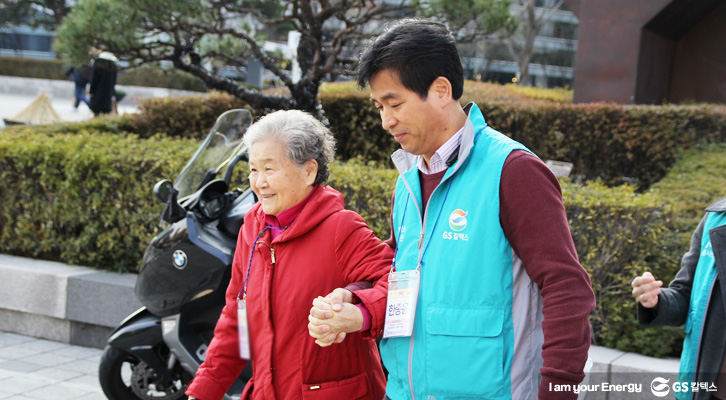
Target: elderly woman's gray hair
304, 137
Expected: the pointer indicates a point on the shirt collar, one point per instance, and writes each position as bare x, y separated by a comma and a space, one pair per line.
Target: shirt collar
442, 155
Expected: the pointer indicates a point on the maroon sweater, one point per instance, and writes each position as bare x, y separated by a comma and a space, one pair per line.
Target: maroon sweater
533, 219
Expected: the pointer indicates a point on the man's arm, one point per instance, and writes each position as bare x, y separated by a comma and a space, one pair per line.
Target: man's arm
372, 308
535, 223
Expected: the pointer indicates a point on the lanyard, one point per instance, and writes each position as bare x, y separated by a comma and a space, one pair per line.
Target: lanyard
395, 252
426, 246
243, 291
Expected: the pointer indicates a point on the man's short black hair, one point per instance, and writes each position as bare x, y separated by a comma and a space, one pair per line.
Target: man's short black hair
418, 51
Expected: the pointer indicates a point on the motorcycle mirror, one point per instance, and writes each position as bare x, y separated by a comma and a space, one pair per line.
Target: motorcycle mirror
241, 155
162, 190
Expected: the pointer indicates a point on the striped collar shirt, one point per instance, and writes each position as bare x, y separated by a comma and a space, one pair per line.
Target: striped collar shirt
438, 160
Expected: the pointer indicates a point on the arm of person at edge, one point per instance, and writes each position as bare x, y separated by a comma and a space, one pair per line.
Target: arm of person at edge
668, 306
364, 258
223, 364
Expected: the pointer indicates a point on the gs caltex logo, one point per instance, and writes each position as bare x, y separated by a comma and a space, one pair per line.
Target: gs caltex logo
457, 220
457, 223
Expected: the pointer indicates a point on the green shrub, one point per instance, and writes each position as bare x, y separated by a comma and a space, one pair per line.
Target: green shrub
620, 234
85, 198
356, 126
696, 180
32, 68
615, 143
612, 142
367, 188
107, 123
558, 95
186, 116
636, 144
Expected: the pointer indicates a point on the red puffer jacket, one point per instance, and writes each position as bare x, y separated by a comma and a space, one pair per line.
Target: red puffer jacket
326, 247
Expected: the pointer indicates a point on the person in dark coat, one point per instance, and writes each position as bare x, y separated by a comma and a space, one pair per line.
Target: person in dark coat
103, 82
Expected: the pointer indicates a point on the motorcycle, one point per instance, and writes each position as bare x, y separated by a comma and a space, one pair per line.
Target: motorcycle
155, 352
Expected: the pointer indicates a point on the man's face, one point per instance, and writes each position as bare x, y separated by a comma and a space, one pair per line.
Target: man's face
415, 123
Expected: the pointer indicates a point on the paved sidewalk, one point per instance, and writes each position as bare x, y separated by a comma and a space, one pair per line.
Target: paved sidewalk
34, 369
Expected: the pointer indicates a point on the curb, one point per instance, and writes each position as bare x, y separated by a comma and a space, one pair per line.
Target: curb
63, 303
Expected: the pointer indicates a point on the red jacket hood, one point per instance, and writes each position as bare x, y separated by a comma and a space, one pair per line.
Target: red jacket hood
323, 202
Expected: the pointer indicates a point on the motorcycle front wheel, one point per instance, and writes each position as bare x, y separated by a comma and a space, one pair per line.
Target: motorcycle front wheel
125, 377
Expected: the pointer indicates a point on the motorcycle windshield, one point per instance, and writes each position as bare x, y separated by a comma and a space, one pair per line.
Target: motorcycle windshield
220, 146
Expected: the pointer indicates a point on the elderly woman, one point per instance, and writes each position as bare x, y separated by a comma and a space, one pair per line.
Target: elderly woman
297, 243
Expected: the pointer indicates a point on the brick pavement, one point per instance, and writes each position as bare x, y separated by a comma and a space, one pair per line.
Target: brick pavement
34, 369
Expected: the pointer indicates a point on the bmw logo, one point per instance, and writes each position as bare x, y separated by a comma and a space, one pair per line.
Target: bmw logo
180, 259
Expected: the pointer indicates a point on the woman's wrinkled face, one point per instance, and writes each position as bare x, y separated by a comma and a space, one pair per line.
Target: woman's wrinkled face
277, 181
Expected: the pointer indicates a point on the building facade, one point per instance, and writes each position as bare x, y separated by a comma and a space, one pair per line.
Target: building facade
650, 51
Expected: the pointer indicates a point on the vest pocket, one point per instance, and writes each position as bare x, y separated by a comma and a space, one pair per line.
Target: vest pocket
350, 388
465, 352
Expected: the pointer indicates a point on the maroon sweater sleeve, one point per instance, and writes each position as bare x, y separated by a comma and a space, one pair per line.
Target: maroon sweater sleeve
534, 220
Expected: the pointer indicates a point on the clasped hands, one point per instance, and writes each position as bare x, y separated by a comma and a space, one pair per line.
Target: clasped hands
334, 316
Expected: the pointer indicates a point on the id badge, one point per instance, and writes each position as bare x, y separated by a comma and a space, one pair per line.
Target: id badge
403, 287
243, 330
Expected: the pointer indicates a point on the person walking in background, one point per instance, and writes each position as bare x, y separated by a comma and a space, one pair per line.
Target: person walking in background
696, 298
103, 83
80, 77
486, 296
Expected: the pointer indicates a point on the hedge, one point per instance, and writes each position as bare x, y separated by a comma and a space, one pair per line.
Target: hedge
186, 116
32, 68
85, 199
620, 234
636, 144
616, 143
696, 180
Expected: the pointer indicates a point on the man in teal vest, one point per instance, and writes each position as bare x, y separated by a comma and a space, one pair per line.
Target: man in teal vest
486, 298
696, 298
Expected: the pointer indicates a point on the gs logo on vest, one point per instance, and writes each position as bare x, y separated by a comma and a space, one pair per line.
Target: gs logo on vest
457, 222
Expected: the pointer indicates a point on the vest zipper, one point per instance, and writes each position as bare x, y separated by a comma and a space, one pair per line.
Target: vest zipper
420, 258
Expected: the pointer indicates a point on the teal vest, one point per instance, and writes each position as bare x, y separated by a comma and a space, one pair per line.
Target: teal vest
701, 290
463, 337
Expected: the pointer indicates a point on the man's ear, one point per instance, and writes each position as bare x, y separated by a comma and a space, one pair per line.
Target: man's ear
441, 90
